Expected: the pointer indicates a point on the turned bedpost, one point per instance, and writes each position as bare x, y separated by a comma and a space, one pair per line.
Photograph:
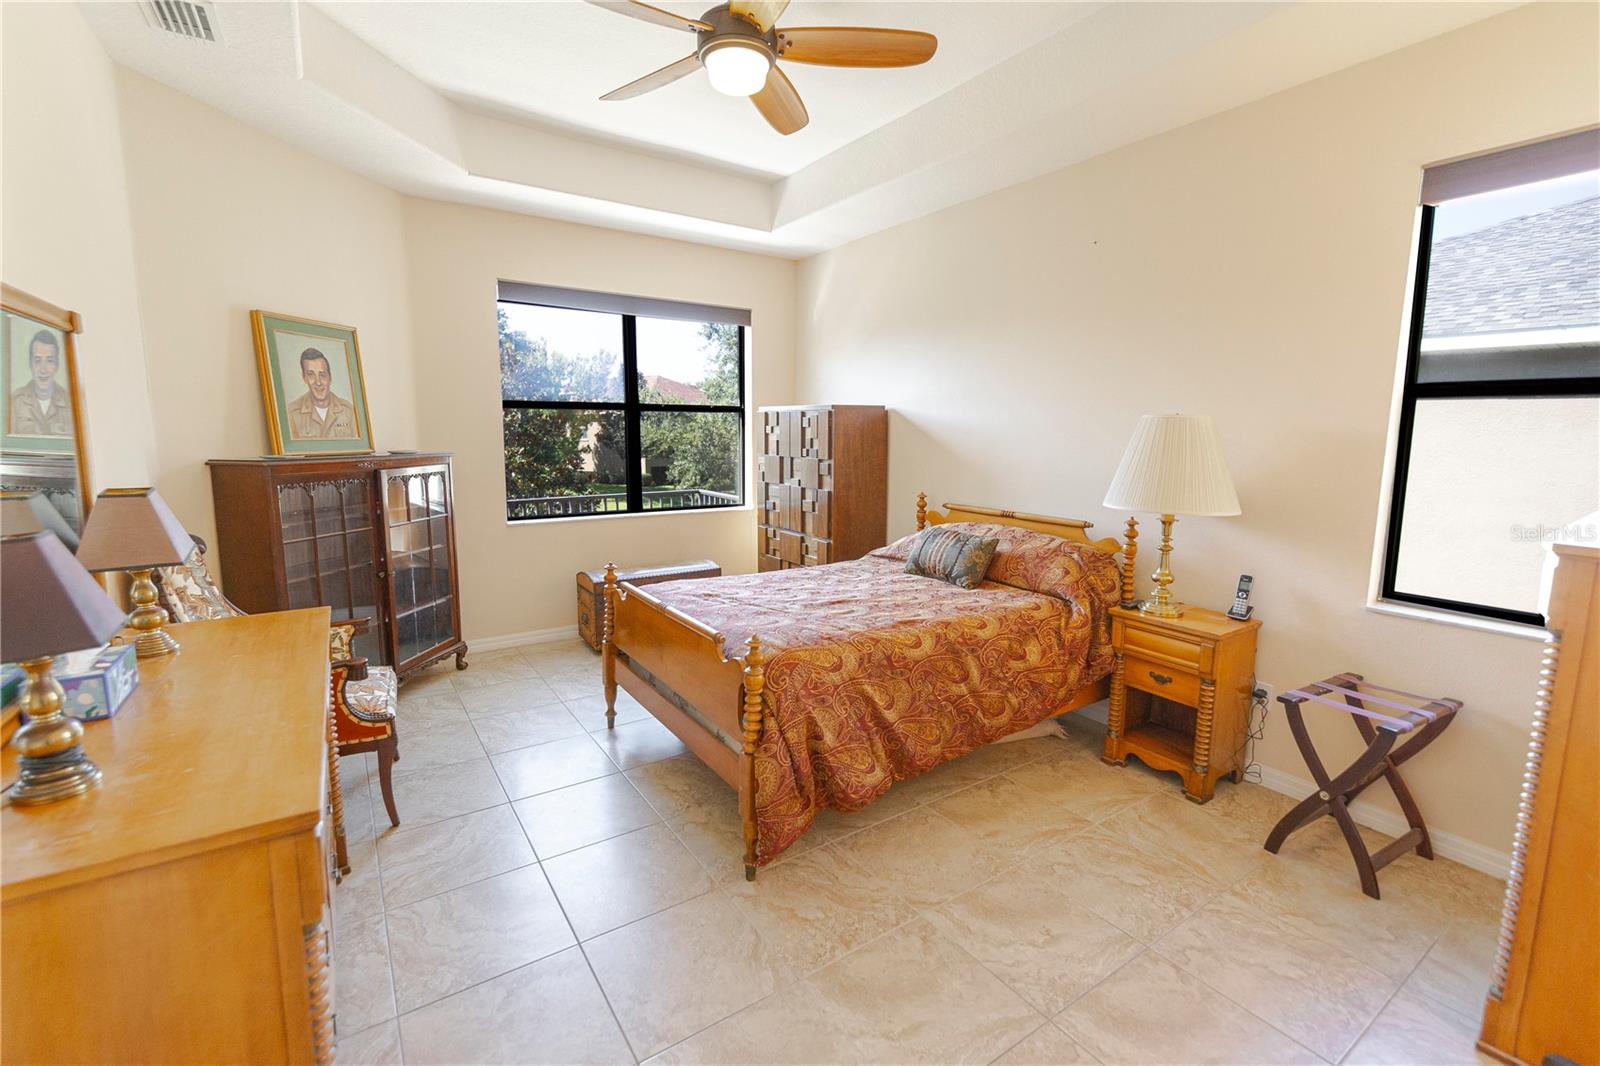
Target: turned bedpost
922, 511
1130, 550
608, 647
755, 679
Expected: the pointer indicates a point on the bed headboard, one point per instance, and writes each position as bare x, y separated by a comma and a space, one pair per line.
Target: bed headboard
1075, 530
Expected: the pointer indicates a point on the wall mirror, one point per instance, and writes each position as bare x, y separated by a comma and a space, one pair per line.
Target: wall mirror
44, 467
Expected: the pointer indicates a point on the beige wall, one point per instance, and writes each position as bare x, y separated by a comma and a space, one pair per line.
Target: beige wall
65, 234
518, 578
227, 219
1251, 266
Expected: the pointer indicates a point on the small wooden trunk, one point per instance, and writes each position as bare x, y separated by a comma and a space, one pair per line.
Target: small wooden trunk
592, 583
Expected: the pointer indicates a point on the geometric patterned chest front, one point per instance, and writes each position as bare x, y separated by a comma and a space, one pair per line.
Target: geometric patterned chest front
822, 484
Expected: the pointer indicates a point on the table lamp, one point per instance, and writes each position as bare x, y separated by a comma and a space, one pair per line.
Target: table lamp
52, 606
1173, 466
135, 530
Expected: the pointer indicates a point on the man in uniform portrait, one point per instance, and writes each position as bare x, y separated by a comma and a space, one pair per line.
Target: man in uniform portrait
319, 413
41, 407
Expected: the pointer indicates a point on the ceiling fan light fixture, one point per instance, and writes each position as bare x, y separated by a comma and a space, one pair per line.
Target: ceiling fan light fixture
736, 67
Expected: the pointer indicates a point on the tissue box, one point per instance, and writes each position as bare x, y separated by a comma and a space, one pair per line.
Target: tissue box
97, 681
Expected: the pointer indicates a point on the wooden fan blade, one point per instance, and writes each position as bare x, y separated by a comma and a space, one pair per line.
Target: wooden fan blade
646, 13
763, 14
655, 79
856, 46
780, 105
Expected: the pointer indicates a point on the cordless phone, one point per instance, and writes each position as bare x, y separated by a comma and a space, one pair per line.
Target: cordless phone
1241, 600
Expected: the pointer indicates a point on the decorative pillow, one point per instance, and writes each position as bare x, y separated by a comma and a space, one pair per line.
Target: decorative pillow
950, 555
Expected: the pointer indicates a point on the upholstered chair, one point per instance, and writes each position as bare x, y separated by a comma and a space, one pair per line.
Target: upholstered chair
363, 698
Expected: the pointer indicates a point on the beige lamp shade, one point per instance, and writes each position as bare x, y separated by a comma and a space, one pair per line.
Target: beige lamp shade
1174, 465
133, 529
51, 604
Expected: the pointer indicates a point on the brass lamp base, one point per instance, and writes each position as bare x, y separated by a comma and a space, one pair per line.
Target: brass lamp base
1163, 606
148, 618
50, 745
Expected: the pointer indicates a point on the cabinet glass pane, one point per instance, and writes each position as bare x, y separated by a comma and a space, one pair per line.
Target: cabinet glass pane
328, 553
416, 513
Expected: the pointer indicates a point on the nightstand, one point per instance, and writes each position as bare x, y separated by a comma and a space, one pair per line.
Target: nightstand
1180, 694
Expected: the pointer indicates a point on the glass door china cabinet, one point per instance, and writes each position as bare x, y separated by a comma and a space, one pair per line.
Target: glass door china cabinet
370, 537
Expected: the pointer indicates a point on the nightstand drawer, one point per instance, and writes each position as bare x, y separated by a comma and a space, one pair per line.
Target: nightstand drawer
1159, 679
1167, 646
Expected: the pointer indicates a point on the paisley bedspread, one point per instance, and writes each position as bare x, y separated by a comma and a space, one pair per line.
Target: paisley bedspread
874, 675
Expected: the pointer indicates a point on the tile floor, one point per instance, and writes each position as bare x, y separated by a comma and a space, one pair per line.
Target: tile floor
557, 894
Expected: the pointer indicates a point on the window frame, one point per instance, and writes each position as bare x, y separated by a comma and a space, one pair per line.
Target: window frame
1413, 390
632, 410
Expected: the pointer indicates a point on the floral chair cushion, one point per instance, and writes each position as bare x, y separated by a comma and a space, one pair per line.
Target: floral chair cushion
373, 698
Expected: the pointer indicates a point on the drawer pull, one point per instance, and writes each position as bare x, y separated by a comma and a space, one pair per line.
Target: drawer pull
1160, 679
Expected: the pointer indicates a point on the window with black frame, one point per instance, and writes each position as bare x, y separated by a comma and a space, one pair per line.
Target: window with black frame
1499, 430
614, 404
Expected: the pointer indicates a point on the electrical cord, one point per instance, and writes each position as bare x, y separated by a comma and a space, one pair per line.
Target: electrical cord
1256, 729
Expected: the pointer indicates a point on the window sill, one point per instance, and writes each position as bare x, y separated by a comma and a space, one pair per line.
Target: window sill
615, 515
1455, 618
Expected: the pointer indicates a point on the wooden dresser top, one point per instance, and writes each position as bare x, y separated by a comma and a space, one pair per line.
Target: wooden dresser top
222, 742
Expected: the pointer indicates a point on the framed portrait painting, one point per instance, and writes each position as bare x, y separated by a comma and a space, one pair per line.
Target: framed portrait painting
311, 383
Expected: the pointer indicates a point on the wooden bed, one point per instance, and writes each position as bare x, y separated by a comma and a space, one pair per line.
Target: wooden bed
676, 666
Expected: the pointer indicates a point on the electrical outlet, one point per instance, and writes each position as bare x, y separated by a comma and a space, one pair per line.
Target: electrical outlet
1265, 691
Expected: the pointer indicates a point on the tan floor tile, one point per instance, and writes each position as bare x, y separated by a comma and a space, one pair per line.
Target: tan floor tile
355, 769
365, 995
1151, 1012
575, 685
435, 680
638, 743
1217, 848
376, 1045
1047, 1046
423, 712
1314, 992
421, 862
503, 697
590, 711
971, 768
912, 996
715, 836
555, 655
921, 857
358, 827
1415, 1029
619, 880
491, 668
525, 728
1008, 815
447, 942
360, 893
583, 814
1248, 804
679, 785
811, 908
1141, 891
1456, 970
436, 793
810, 1034
1043, 947
1089, 789
1390, 935
550, 1011
676, 972
433, 743
545, 767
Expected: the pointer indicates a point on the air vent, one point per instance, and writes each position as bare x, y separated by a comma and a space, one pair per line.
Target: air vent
195, 19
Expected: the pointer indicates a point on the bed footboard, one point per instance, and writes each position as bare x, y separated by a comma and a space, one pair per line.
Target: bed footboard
650, 650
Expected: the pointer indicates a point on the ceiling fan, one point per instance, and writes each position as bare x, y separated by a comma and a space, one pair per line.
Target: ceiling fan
739, 46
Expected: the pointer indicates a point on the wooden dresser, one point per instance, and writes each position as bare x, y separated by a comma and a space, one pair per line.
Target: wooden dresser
368, 536
1544, 996
822, 491
180, 911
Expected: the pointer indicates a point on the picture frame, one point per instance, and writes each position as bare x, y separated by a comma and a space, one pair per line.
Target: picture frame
43, 423
311, 385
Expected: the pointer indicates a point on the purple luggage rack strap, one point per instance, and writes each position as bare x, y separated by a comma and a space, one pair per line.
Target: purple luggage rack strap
1345, 686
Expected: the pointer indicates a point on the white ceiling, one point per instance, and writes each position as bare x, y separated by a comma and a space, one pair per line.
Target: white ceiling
495, 103
549, 63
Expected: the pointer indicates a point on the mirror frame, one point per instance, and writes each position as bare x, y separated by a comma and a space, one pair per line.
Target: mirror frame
70, 323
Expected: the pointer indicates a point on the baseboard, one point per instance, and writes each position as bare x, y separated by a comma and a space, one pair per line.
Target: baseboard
1448, 845
517, 640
